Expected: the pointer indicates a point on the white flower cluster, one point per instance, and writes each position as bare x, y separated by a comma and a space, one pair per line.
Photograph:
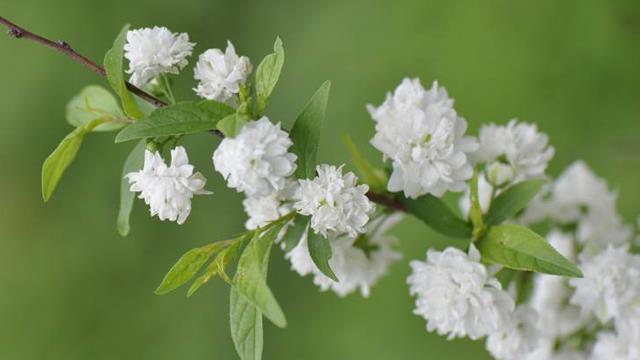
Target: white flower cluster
458, 296
168, 189
425, 138
221, 74
335, 203
358, 262
155, 51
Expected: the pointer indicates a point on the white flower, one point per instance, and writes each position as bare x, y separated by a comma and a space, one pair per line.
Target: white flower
424, 137
457, 296
623, 345
518, 338
221, 74
610, 287
518, 145
155, 51
257, 160
265, 209
168, 189
550, 294
334, 201
357, 263
484, 196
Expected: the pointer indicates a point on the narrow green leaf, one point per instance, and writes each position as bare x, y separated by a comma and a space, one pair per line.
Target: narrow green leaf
218, 266
178, 119
231, 125
320, 251
519, 248
512, 200
113, 65
375, 178
250, 278
59, 160
92, 103
295, 232
187, 266
267, 75
437, 215
246, 326
134, 162
306, 132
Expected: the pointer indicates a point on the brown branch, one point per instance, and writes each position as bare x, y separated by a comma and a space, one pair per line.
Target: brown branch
387, 201
63, 47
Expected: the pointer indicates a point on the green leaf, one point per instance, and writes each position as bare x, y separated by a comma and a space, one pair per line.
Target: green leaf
187, 266
267, 75
92, 103
306, 132
134, 162
437, 215
179, 119
320, 251
519, 248
512, 200
231, 125
295, 232
218, 265
246, 326
55, 164
375, 178
250, 278
113, 65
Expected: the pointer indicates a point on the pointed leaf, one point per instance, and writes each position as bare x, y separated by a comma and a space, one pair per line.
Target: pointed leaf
218, 265
295, 232
55, 164
178, 119
437, 215
246, 326
113, 66
95, 102
306, 132
250, 278
512, 200
519, 248
320, 251
267, 75
231, 125
134, 162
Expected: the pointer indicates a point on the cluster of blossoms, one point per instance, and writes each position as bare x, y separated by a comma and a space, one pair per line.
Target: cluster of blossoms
419, 131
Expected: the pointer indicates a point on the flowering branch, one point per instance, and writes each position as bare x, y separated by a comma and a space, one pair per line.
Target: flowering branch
62, 46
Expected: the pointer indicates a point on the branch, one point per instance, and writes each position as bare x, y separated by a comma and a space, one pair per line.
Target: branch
387, 201
63, 47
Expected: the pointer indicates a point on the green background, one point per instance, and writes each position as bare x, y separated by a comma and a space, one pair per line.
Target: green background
74, 289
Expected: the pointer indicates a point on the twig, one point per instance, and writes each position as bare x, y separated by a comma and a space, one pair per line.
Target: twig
391, 203
63, 47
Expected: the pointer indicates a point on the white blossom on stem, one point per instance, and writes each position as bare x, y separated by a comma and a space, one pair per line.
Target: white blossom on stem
155, 51
519, 337
256, 161
168, 189
335, 202
425, 139
265, 209
221, 74
457, 296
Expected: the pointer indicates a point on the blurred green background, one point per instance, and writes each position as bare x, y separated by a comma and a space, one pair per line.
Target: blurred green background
74, 289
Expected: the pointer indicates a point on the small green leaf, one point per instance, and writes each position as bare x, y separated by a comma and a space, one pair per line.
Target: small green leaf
267, 75
134, 162
250, 278
55, 164
231, 125
320, 251
295, 232
179, 119
437, 215
306, 132
246, 326
519, 248
92, 103
113, 65
219, 265
375, 178
187, 266
512, 200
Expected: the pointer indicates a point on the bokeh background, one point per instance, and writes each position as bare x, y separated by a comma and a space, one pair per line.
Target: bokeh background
74, 289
